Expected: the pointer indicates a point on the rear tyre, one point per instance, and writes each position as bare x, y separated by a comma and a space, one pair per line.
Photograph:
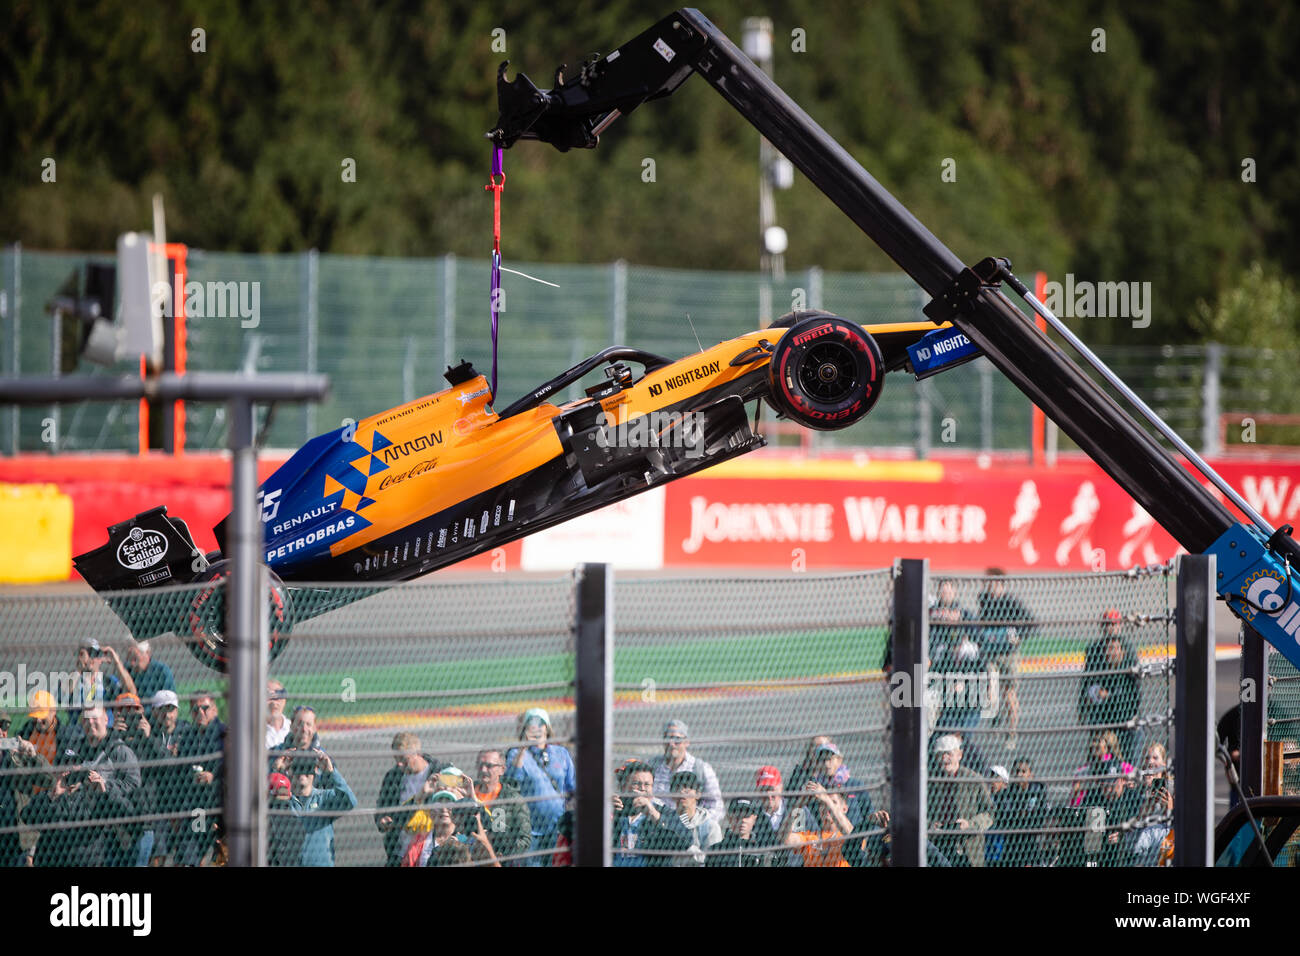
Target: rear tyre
826, 372
203, 629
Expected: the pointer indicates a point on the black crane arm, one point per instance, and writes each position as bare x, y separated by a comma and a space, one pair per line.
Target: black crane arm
660, 59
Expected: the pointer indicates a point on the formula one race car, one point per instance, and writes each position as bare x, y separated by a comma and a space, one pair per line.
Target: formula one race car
445, 477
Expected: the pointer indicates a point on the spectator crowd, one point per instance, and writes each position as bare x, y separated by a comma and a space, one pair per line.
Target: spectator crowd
981, 814
106, 772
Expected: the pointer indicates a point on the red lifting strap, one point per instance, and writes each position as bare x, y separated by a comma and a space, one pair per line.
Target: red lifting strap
496, 188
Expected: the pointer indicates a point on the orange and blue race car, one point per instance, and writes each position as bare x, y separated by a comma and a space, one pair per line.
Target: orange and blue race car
439, 479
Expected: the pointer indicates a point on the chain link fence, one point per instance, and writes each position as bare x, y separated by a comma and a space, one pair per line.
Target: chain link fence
757, 686
1052, 701
115, 749
417, 692
1282, 721
752, 724
384, 329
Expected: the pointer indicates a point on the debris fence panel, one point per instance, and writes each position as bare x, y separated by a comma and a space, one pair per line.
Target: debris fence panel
383, 329
1052, 713
1282, 722
752, 723
742, 681
418, 691
101, 776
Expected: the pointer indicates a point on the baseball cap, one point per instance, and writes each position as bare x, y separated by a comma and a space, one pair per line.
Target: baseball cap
166, 698
41, 704
536, 713
127, 699
91, 644
946, 744
444, 796
827, 748
276, 781
676, 725
742, 807
999, 771
768, 777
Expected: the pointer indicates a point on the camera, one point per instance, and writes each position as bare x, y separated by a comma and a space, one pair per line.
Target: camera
77, 775
463, 813
9, 743
302, 765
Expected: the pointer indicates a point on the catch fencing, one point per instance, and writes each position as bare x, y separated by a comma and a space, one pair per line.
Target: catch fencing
1061, 700
1282, 720
384, 329
71, 795
402, 702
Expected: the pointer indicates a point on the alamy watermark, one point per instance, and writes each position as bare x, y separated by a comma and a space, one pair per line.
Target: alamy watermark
977, 691
77, 908
211, 300
75, 689
653, 430
1105, 300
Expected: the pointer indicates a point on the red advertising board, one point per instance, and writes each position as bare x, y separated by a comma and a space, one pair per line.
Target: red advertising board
773, 511
1013, 519
1068, 518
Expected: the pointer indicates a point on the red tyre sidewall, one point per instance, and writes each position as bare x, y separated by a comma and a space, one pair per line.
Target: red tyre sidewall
799, 406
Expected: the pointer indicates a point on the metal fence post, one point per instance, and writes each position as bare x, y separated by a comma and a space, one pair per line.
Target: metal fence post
1194, 712
618, 305
593, 651
815, 287
921, 395
986, 405
923, 437
575, 356
1254, 708
408, 369
1210, 401
15, 419
311, 331
245, 809
449, 309
56, 369
910, 637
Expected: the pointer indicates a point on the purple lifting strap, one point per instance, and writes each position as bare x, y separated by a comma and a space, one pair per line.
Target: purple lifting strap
496, 259
496, 288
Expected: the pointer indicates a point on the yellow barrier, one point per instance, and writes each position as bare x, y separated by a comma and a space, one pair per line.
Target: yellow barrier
36, 541
843, 469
